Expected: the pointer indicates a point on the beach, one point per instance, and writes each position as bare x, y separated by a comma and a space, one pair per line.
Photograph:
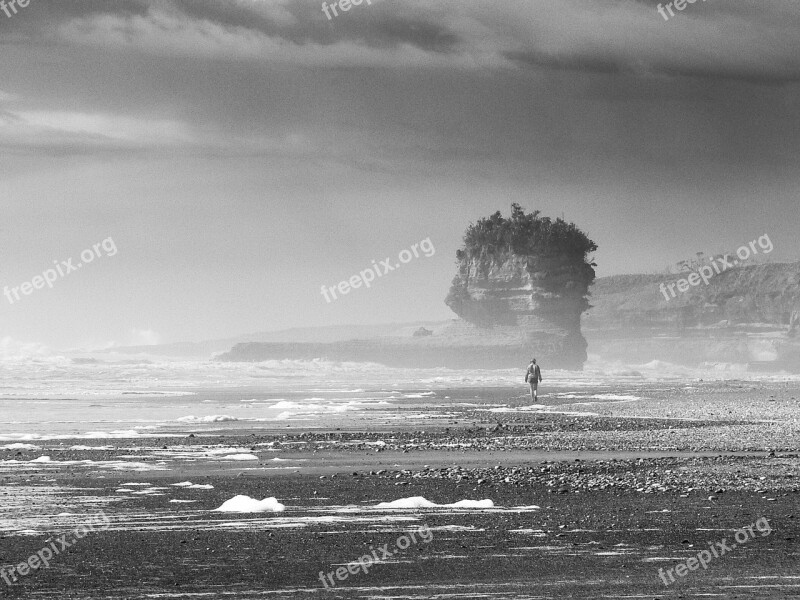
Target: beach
586, 494
275, 275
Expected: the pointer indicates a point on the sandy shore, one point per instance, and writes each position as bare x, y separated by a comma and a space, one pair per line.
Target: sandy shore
590, 500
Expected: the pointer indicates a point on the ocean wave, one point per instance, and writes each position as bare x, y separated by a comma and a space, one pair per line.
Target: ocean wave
40, 375
207, 419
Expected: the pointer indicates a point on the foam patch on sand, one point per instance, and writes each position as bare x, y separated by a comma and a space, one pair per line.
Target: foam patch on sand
116, 465
19, 446
246, 504
544, 409
598, 397
216, 451
536, 532
151, 491
239, 457
188, 485
90, 435
421, 502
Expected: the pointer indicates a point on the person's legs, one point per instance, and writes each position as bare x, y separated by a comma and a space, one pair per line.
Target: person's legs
533, 391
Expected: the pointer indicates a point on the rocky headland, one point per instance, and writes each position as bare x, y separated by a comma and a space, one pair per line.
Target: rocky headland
523, 287
520, 289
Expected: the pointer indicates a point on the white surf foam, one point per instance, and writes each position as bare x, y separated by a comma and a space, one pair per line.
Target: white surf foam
421, 502
246, 504
238, 457
188, 485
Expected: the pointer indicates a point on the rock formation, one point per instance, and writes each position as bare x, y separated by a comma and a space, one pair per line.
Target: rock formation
530, 275
739, 321
520, 290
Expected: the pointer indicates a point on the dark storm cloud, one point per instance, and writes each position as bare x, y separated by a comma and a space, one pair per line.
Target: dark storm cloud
732, 39
124, 64
261, 22
303, 22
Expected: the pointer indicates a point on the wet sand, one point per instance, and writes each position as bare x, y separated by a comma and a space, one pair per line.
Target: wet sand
584, 506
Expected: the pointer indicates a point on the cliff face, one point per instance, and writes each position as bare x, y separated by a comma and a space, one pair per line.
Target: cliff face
743, 315
766, 294
540, 297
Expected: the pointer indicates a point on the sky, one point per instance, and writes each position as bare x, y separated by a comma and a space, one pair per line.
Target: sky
240, 154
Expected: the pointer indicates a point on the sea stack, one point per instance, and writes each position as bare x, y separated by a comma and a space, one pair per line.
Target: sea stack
527, 275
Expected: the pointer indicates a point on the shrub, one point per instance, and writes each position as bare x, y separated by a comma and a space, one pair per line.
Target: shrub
524, 234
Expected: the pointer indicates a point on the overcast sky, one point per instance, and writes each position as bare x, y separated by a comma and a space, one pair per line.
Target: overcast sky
241, 153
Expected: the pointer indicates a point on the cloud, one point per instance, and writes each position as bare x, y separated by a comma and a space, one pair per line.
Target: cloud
709, 39
72, 131
713, 40
172, 33
38, 128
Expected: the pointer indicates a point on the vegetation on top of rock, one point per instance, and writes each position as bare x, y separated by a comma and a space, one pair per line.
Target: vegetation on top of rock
524, 234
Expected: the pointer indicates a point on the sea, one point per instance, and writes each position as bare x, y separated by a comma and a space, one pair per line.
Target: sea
58, 396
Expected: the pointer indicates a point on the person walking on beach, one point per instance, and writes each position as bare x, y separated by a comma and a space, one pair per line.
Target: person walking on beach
533, 376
